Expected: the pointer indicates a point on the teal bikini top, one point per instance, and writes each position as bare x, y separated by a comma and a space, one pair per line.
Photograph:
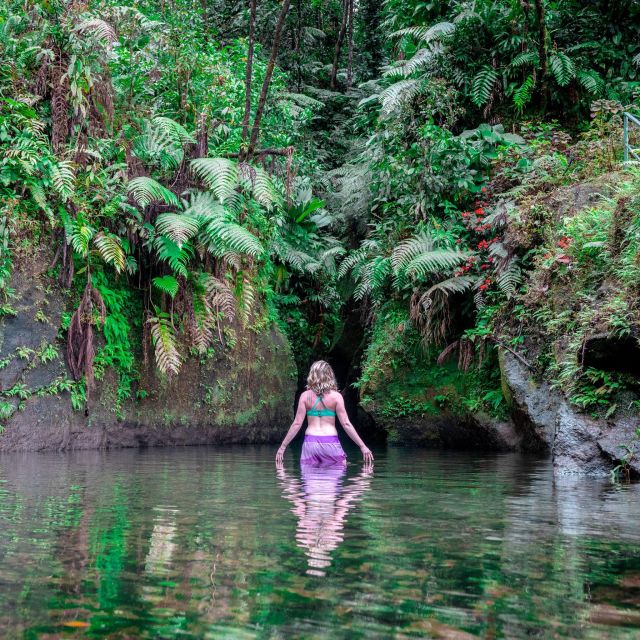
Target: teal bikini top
320, 412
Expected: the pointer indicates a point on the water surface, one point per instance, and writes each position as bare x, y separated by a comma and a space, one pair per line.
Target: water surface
214, 543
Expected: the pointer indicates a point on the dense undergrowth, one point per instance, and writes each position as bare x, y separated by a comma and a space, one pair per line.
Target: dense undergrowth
197, 167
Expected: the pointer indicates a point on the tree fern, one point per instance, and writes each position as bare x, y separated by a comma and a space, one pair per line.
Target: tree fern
434, 261
420, 59
509, 280
165, 343
562, 68
456, 284
79, 237
166, 284
482, 85
145, 190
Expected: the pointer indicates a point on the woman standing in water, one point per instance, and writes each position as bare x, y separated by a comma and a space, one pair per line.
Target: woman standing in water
321, 403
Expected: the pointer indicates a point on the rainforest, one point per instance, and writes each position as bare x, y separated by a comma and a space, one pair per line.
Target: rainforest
201, 198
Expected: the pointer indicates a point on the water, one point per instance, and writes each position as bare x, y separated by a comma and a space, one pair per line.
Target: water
213, 543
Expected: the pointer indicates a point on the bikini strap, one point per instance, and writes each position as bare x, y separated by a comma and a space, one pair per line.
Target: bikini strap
318, 399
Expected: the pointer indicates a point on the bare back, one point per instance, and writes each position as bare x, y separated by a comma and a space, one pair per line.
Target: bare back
324, 425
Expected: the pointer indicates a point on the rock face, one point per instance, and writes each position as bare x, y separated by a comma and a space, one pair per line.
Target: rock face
243, 394
578, 443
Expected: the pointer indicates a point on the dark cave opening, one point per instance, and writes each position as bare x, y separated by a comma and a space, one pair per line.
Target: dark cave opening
611, 353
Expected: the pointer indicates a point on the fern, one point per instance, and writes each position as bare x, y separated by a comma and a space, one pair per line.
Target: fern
165, 342
590, 81
522, 95
425, 33
562, 68
176, 256
219, 295
180, 227
110, 249
80, 237
145, 190
526, 58
434, 261
482, 85
219, 174
398, 94
223, 235
420, 58
456, 284
509, 279
166, 284
63, 179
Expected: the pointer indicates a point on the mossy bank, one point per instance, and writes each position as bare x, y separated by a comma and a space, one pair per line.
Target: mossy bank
239, 391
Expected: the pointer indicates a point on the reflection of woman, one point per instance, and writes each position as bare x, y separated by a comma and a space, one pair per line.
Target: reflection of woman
321, 403
321, 504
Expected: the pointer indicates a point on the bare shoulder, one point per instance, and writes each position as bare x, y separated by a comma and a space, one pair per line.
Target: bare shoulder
336, 397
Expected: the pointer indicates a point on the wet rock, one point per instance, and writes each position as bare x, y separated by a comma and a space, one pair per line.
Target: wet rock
578, 443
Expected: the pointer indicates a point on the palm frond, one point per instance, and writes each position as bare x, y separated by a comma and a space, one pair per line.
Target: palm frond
110, 249
166, 284
219, 174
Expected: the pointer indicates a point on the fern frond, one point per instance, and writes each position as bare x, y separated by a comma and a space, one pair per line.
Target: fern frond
173, 130
176, 256
166, 284
525, 58
219, 174
434, 261
590, 80
110, 249
562, 68
397, 94
425, 33
420, 58
482, 85
80, 237
509, 280
63, 179
456, 284
99, 28
223, 236
522, 95
180, 227
145, 190
165, 343
219, 295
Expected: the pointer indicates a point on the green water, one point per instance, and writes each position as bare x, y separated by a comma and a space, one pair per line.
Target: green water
213, 543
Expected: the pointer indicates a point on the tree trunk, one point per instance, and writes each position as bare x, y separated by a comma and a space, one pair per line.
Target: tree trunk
249, 70
255, 130
543, 51
336, 56
350, 40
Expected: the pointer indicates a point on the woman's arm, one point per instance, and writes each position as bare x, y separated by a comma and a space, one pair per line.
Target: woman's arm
351, 431
293, 429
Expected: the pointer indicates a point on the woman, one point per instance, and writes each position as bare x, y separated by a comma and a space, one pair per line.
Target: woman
321, 403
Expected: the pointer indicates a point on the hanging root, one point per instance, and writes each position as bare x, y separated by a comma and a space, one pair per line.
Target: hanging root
80, 348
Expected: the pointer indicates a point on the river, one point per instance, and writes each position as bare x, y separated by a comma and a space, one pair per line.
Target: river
215, 543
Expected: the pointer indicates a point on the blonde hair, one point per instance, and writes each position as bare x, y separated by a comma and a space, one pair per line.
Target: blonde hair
321, 378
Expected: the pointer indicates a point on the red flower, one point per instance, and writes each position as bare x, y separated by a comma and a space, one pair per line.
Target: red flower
483, 287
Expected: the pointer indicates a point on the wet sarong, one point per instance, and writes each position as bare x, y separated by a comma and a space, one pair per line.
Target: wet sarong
322, 451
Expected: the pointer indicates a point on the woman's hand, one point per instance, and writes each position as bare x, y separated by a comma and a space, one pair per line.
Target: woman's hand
367, 455
280, 456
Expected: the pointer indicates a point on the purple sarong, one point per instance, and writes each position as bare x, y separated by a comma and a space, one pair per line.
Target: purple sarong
322, 451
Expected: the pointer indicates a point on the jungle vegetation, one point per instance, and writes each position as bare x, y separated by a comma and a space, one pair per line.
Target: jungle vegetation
199, 163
